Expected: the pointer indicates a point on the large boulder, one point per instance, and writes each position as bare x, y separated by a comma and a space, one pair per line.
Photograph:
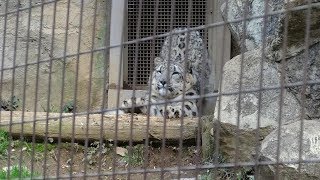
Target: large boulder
237, 143
289, 145
249, 101
253, 34
294, 74
18, 54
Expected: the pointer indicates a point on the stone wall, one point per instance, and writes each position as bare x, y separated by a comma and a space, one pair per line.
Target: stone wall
53, 45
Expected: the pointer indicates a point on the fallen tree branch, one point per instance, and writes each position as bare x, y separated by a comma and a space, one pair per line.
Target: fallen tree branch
97, 125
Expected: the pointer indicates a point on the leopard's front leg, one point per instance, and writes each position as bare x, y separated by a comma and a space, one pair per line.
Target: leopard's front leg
140, 106
176, 110
135, 104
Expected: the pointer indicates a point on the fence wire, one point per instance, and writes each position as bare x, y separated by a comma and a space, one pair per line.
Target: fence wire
62, 59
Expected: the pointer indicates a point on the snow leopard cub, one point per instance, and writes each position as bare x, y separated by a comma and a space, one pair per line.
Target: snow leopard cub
187, 53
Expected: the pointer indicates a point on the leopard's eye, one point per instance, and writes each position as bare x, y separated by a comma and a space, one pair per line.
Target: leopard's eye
159, 71
177, 75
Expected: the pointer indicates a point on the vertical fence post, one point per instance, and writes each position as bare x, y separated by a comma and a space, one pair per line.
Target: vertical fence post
116, 37
219, 41
219, 47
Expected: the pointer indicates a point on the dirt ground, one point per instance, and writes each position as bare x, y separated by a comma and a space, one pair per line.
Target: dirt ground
77, 160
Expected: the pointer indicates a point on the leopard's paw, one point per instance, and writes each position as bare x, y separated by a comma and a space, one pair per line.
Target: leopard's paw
171, 112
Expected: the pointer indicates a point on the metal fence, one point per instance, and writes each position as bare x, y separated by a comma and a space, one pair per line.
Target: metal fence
55, 59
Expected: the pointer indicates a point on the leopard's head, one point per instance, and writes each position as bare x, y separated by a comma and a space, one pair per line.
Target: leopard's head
167, 82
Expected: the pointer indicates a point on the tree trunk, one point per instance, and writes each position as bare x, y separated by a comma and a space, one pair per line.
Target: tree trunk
99, 126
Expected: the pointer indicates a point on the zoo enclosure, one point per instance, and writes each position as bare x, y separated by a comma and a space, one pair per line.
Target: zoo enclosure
117, 55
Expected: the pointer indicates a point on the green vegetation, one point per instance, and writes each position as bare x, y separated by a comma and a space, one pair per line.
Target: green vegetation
207, 175
10, 105
15, 173
4, 142
68, 107
136, 156
52, 108
240, 173
94, 149
228, 173
38, 147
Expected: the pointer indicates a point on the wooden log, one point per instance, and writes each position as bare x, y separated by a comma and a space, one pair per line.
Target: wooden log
108, 122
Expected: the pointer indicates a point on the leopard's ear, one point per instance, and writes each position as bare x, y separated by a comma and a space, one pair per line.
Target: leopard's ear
157, 61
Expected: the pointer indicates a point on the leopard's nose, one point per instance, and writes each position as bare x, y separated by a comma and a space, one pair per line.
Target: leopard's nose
163, 83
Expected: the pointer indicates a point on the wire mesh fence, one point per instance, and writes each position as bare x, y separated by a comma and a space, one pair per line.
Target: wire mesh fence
155, 89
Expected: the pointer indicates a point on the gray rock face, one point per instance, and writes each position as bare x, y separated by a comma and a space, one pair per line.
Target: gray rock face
233, 10
249, 102
253, 33
44, 54
289, 147
294, 74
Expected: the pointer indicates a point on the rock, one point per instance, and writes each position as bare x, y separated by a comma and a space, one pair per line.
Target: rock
294, 74
249, 102
274, 24
240, 141
70, 63
289, 150
121, 151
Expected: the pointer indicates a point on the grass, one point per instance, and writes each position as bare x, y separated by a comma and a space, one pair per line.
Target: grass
136, 156
67, 108
4, 142
15, 173
38, 147
52, 108
241, 173
93, 151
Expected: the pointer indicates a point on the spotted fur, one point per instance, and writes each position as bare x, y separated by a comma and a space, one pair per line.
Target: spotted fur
188, 66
